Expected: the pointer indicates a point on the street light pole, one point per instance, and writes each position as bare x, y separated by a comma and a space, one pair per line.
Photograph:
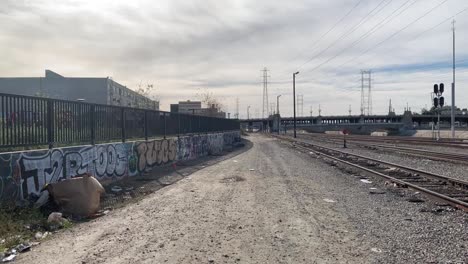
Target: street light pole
294, 100
452, 117
278, 113
277, 104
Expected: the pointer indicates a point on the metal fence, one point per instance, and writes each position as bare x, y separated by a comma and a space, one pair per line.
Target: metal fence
32, 121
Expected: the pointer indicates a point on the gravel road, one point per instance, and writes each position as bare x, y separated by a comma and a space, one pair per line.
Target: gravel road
270, 204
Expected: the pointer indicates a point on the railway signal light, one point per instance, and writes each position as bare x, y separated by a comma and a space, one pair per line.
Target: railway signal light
441, 101
436, 88
436, 102
441, 88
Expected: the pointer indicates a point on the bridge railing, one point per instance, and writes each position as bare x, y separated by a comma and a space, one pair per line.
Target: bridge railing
27, 121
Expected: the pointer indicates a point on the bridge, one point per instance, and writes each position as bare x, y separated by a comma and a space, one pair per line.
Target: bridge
357, 124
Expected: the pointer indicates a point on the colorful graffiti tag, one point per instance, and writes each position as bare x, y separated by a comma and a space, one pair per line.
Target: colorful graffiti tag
25, 173
157, 152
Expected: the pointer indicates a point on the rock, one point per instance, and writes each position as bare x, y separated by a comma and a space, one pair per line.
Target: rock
55, 218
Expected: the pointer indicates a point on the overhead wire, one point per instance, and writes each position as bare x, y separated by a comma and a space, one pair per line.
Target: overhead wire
367, 34
348, 32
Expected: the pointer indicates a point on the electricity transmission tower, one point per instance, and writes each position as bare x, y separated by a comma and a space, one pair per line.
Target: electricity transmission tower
265, 93
366, 92
300, 105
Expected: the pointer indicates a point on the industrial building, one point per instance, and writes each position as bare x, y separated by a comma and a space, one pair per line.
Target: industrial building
91, 90
195, 108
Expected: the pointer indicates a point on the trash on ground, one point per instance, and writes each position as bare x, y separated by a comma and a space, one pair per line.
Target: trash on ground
329, 200
9, 258
43, 199
39, 235
116, 189
365, 181
235, 161
78, 196
23, 247
127, 189
376, 250
415, 200
252, 170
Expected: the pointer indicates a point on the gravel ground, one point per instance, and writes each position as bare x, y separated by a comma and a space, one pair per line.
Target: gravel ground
457, 150
449, 169
271, 204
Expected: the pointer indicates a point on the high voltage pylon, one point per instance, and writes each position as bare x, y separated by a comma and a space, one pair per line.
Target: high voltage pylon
366, 92
265, 93
300, 105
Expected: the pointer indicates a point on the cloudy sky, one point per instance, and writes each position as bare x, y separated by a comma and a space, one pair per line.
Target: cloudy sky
182, 46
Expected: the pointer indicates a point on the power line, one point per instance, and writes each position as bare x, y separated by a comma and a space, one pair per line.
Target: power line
331, 29
397, 32
367, 34
347, 33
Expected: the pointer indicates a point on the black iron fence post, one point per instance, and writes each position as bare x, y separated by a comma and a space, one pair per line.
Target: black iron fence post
50, 123
146, 125
165, 125
92, 124
122, 116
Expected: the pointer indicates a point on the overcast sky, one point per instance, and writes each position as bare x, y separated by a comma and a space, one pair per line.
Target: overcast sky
182, 46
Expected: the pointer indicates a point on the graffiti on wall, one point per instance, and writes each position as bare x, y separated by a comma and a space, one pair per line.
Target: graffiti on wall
25, 173
157, 152
103, 161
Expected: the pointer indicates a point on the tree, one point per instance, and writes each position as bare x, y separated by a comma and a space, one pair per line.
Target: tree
147, 91
209, 100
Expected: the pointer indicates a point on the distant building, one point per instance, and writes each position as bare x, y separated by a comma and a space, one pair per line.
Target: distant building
189, 107
195, 107
91, 90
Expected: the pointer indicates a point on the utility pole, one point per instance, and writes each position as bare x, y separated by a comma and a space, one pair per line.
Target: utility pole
248, 112
349, 110
453, 84
265, 93
311, 111
300, 105
277, 104
320, 110
294, 100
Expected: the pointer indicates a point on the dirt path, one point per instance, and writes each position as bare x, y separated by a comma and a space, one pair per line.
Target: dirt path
226, 213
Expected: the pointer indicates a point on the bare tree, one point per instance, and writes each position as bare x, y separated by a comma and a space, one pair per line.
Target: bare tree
148, 91
209, 99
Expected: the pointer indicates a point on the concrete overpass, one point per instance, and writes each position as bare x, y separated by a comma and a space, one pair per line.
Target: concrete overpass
355, 124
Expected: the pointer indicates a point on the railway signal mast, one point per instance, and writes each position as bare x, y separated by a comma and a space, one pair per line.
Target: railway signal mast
438, 104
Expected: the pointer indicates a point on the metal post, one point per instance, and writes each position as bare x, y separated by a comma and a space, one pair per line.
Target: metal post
122, 116
165, 126
92, 122
50, 123
146, 125
294, 100
278, 113
453, 85
438, 124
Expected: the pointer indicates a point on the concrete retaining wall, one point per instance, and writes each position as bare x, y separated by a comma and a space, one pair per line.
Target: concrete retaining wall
25, 173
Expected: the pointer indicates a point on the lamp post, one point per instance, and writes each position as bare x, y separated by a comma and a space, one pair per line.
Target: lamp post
277, 104
294, 100
277, 113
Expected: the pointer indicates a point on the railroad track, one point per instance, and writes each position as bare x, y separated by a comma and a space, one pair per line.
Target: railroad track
423, 153
448, 190
453, 143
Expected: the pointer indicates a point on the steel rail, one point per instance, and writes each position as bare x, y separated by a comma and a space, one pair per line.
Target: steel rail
454, 182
